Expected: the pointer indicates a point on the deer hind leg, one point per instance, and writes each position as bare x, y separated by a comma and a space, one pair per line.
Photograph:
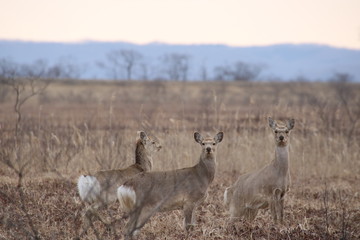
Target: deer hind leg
90, 213
132, 226
137, 220
280, 210
277, 211
189, 216
273, 210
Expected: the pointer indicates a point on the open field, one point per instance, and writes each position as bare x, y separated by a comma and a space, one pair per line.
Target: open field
80, 127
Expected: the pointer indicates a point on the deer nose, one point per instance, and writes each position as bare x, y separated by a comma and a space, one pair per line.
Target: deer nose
208, 149
281, 138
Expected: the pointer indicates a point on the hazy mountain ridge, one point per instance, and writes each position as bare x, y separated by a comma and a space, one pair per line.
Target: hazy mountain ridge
283, 61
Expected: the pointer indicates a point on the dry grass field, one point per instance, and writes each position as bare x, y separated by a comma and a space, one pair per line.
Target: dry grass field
83, 126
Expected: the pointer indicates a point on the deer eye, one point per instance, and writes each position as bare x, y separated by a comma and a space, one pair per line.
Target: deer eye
153, 142
286, 131
214, 144
275, 131
203, 144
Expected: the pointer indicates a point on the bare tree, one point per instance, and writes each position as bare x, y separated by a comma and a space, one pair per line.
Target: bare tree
66, 68
203, 73
245, 72
120, 61
222, 72
144, 71
176, 66
240, 71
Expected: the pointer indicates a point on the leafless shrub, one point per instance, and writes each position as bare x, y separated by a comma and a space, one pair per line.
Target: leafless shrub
18, 159
348, 96
26, 81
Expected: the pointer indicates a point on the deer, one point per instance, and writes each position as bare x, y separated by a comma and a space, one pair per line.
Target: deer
99, 189
264, 188
180, 189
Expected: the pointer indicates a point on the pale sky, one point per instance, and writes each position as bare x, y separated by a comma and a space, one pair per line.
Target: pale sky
232, 22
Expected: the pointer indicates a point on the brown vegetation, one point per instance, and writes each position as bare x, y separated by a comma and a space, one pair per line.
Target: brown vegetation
77, 127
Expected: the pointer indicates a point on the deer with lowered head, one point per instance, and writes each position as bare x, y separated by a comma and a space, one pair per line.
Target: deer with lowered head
99, 189
181, 189
264, 188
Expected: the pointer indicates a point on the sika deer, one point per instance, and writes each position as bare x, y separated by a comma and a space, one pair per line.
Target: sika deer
266, 187
148, 193
100, 188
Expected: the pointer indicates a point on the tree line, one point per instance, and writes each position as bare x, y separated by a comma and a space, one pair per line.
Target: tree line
128, 64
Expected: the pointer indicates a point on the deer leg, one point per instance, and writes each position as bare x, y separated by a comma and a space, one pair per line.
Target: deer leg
251, 214
189, 215
137, 220
278, 211
278, 202
281, 210
92, 213
273, 210
130, 226
89, 214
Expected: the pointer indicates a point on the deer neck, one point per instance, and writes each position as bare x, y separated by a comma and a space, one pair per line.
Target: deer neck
142, 158
206, 167
281, 161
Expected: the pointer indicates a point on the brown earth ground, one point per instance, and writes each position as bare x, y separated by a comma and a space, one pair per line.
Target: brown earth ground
80, 127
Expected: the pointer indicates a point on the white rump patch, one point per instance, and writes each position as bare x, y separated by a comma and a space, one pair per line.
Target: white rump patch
127, 197
89, 188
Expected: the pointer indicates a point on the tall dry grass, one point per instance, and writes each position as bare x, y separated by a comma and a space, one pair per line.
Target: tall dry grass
76, 127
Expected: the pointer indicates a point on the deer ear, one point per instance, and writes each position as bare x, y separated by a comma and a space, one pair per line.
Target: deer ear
272, 123
198, 138
290, 124
143, 135
219, 137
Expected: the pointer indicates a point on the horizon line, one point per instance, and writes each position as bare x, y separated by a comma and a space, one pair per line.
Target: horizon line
175, 44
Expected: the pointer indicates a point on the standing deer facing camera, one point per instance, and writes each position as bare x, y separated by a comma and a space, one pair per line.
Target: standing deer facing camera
99, 189
266, 187
148, 193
